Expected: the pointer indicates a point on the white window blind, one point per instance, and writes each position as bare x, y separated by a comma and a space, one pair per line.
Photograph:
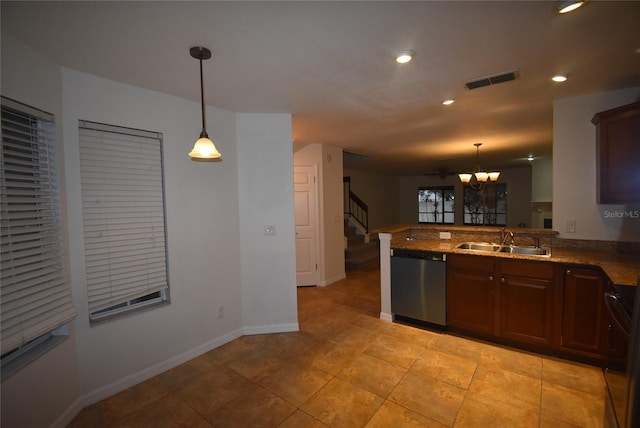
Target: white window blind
35, 294
123, 213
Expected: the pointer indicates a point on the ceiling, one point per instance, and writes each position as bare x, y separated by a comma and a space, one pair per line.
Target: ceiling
330, 64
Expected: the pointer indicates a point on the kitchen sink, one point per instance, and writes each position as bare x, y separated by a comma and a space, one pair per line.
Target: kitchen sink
528, 250
505, 249
478, 246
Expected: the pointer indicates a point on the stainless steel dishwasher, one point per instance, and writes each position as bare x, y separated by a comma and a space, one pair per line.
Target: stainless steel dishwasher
419, 286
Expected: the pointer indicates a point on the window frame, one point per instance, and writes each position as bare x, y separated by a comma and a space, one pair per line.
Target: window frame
441, 191
35, 288
486, 202
124, 218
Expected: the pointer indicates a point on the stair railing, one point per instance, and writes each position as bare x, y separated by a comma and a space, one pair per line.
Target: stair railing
355, 208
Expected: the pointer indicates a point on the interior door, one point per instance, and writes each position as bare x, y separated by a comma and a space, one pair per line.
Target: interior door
304, 184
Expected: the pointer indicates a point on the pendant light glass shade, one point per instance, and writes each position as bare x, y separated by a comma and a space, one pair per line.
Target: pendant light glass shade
204, 149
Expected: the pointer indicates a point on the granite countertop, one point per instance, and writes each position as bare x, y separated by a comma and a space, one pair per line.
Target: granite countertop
622, 266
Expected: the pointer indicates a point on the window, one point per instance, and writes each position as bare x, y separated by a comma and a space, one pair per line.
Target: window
435, 205
487, 206
35, 293
124, 222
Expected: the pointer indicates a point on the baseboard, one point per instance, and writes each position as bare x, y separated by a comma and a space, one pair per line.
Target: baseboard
156, 369
267, 329
66, 418
331, 280
386, 317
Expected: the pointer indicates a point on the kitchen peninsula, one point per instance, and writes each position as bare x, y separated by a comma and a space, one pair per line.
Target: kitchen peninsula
549, 303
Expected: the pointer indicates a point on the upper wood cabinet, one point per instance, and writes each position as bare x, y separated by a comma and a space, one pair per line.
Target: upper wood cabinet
618, 155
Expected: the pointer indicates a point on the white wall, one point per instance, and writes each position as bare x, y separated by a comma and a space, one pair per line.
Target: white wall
574, 170
333, 213
202, 237
265, 188
211, 261
47, 389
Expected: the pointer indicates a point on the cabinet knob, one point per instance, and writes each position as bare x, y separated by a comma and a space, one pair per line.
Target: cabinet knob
490, 277
502, 279
568, 271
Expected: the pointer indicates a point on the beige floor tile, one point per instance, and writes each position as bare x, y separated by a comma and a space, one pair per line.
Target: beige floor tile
491, 385
512, 360
341, 404
575, 407
301, 420
338, 368
330, 357
213, 390
373, 374
260, 362
296, 382
548, 422
429, 397
454, 345
133, 399
395, 350
166, 412
393, 415
255, 407
576, 376
448, 368
494, 414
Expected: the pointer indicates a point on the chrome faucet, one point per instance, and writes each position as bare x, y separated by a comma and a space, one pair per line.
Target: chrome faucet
508, 235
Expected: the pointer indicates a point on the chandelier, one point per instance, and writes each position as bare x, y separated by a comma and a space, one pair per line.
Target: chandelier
478, 178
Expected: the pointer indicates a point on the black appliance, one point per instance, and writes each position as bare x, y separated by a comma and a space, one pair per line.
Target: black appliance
622, 365
418, 286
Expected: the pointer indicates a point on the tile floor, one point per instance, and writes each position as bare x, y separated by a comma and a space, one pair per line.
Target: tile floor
346, 368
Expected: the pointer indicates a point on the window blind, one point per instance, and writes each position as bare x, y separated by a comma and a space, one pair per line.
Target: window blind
123, 213
35, 294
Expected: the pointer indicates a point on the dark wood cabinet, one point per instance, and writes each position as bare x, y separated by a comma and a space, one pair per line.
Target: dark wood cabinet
618, 155
535, 305
584, 322
526, 293
470, 293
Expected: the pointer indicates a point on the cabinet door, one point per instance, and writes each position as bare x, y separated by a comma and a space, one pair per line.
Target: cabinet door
618, 155
582, 326
470, 294
526, 310
526, 302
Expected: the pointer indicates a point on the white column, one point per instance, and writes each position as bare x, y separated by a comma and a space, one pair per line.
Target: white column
385, 276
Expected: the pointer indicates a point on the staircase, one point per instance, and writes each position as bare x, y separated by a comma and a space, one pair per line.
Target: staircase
359, 254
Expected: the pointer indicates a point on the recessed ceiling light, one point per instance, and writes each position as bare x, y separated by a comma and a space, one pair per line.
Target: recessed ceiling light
404, 57
559, 78
448, 102
569, 6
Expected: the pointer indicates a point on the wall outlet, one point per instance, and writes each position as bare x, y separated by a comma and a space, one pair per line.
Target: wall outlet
570, 226
220, 312
445, 235
269, 230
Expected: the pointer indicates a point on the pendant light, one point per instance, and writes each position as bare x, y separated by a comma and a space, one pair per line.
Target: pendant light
481, 177
204, 149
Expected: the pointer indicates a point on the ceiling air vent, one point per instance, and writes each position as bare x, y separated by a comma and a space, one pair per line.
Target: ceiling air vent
492, 80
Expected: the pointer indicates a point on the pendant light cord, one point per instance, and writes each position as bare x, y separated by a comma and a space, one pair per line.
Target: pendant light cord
203, 134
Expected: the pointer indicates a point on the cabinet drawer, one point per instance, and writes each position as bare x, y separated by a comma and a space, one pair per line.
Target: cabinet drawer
542, 270
471, 263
